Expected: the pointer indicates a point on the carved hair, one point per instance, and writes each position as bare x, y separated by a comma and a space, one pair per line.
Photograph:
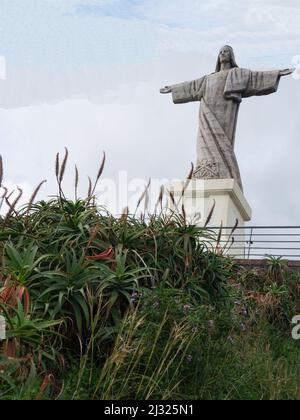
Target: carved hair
232, 59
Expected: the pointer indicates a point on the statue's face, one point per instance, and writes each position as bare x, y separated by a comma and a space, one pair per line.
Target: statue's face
225, 55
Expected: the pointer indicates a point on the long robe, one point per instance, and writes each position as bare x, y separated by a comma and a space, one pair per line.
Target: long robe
220, 95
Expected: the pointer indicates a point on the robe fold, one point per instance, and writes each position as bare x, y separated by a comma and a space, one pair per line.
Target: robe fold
220, 95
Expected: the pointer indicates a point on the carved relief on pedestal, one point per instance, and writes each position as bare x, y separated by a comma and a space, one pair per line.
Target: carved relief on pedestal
207, 169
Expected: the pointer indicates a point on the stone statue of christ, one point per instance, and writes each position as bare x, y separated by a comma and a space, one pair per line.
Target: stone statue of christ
220, 94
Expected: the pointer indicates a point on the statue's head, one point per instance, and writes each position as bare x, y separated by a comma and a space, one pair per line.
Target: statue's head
226, 55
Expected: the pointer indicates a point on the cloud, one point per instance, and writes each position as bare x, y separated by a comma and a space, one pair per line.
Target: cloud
2, 68
124, 9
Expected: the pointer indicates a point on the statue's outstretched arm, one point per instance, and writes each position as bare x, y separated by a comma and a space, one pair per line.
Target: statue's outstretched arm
186, 91
286, 72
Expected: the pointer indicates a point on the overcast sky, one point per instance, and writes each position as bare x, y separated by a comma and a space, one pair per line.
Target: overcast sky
86, 75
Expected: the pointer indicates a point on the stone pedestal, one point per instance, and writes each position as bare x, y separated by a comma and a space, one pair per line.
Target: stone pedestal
230, 205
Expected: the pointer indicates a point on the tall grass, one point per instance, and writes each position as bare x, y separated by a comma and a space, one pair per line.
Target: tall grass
102, 307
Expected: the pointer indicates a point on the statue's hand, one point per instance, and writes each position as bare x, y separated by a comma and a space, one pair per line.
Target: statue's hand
286, 72
166, 89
